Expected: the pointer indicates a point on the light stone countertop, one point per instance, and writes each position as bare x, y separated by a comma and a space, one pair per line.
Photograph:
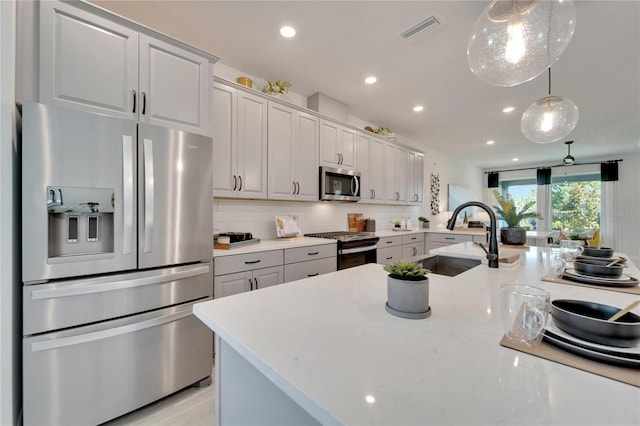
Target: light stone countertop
329, 344
275, 244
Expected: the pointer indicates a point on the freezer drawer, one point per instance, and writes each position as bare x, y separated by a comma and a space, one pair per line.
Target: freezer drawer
48, 307
92, 374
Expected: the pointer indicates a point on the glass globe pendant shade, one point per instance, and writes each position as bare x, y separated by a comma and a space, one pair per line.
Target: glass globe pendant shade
549, 119
514, 41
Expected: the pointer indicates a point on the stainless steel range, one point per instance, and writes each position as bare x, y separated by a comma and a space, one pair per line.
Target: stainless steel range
354, 248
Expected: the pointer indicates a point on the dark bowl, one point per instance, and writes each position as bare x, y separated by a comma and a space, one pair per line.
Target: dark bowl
597, 269
598, 251
588, 321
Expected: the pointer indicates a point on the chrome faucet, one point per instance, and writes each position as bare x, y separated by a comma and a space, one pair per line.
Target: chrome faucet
492, 254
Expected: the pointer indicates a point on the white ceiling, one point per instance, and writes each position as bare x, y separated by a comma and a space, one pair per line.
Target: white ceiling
339, 43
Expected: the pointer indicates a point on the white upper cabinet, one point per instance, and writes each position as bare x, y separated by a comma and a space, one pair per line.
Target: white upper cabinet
293, 154
174, 87
87, 62
337, 145
372, 168
415, 178
239, 131
90, 63
396, 174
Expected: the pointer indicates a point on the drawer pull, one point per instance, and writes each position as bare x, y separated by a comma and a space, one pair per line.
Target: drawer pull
449, 238
389, 258
313, 253
313, 275
414, 238
389, 242
251, 262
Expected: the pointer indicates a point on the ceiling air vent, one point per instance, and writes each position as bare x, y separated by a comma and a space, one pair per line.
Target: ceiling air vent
422, 28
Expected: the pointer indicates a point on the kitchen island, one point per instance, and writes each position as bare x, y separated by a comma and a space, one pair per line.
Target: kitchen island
323, 350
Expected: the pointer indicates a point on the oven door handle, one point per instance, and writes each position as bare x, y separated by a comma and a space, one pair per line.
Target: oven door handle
358, 249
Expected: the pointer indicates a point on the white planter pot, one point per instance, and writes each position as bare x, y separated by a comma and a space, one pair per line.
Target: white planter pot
408, 299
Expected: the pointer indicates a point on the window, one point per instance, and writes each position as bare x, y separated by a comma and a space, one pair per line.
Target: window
575, 203
522, 191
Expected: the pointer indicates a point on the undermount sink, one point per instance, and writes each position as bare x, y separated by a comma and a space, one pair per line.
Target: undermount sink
447, 265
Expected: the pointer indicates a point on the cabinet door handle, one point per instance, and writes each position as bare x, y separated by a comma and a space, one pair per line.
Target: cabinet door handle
313, 275
374, 194
144, 103
240, 179
294, 188
250, 284
134, 101
255, 280
313, 253
252, 262
235, 182
298, 190
397, 196
415, 251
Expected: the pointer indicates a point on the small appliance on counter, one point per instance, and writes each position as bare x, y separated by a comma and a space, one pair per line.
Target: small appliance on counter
230, 240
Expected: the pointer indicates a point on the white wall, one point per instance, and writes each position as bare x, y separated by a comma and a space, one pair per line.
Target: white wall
10, 327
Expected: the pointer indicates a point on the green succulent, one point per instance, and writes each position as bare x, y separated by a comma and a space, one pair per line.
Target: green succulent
508, 211
406, 271
423, 219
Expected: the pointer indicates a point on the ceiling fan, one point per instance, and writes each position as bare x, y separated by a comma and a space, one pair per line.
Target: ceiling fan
569, 159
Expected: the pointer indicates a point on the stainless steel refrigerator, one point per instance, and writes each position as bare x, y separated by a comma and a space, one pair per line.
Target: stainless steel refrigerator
116, 247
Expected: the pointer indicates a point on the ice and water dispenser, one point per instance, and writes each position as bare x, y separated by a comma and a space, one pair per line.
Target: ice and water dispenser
80, 220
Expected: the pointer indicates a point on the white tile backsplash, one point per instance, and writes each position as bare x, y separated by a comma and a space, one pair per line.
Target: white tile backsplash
258, 216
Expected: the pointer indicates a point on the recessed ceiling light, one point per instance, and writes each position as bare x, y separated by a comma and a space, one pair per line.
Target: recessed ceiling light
287, 31
418, 108
370, 80
514, 159
490, 142
508, 109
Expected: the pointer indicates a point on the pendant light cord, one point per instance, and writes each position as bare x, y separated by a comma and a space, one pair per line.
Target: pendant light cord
549, 81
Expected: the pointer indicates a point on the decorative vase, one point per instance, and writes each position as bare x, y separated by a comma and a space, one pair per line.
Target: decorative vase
408, 299
513, 236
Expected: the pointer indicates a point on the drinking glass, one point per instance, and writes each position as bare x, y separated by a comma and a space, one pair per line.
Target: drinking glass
571, 249
525, 310
552, 261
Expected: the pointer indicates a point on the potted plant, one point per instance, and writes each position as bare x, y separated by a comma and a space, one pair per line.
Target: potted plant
508, 212
407, 290
424, 221
277, 87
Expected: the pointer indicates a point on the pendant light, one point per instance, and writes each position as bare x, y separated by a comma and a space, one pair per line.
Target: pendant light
514, 41
549, 119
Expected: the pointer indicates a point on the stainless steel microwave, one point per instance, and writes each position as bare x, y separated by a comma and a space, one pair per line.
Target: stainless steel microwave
339, 184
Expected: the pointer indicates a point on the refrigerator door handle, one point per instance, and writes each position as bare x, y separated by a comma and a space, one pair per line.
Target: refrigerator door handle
89, 287
148, 195
127, 193
111, 332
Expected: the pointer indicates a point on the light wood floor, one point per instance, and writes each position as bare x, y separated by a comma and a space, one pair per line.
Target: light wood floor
189, 407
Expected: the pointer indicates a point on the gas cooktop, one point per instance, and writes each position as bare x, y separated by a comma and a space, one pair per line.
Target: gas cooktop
345, 235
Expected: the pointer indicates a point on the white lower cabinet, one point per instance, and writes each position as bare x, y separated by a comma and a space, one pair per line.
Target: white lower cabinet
304, 262
389, 249
402, 247
252, 271
412, 246
230, 284
436, 240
